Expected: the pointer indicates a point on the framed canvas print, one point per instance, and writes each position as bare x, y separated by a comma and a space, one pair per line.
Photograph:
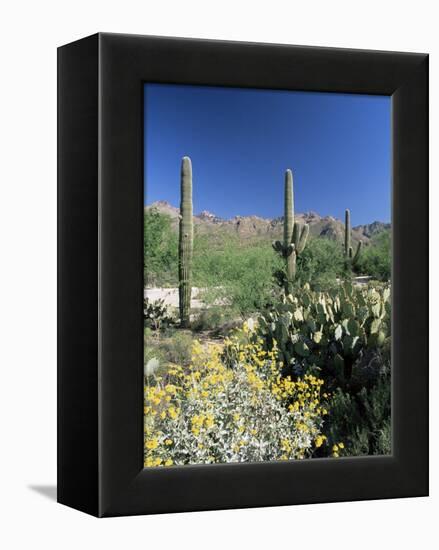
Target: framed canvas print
242, 275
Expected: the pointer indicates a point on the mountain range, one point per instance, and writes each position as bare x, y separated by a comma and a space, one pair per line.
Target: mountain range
250, 227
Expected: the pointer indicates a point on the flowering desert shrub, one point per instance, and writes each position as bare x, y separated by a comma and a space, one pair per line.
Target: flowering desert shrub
231, 405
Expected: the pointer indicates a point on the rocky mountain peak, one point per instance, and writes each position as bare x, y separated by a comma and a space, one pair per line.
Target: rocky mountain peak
208, 216
248, 227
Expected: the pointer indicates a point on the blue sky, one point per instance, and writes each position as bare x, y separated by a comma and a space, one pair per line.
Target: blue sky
242, 140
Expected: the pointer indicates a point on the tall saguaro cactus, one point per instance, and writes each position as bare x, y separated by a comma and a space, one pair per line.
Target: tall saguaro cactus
185, 244
351, 259
295, 235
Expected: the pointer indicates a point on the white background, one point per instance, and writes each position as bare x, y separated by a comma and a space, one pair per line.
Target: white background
30, 32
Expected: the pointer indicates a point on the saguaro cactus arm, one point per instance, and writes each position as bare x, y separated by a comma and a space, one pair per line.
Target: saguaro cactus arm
302, 239
357, 253
278, 247
350, 257
347, 232
300, 235
185, 244
288, 208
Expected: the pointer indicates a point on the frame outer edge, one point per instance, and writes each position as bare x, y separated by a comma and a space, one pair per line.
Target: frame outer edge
411, 301
123, 489
77, 385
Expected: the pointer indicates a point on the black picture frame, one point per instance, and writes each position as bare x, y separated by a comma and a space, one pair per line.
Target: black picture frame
100, 274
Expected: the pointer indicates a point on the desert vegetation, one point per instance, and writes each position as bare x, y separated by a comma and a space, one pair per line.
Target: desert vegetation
264, 348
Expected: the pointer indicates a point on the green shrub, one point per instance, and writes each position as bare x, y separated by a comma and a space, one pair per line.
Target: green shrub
156, 314
214, 318
375, 259
320, 263
237, 275
151, 349
160, 250
176, 348
362, 420
170, 346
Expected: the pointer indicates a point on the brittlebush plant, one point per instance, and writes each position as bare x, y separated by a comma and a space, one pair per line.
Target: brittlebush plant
231, 405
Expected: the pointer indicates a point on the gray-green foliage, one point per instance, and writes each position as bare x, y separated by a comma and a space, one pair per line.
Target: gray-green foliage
219, 320
167, 347
176, 347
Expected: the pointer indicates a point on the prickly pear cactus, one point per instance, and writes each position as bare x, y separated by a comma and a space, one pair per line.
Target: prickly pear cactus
295, 235
351, 259
185, 245
329, 331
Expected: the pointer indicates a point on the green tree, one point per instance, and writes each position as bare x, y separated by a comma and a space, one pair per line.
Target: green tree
376, 258
160, 250
237, 275
321, 262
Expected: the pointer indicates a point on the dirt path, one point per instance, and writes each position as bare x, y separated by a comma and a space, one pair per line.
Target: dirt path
170, 296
